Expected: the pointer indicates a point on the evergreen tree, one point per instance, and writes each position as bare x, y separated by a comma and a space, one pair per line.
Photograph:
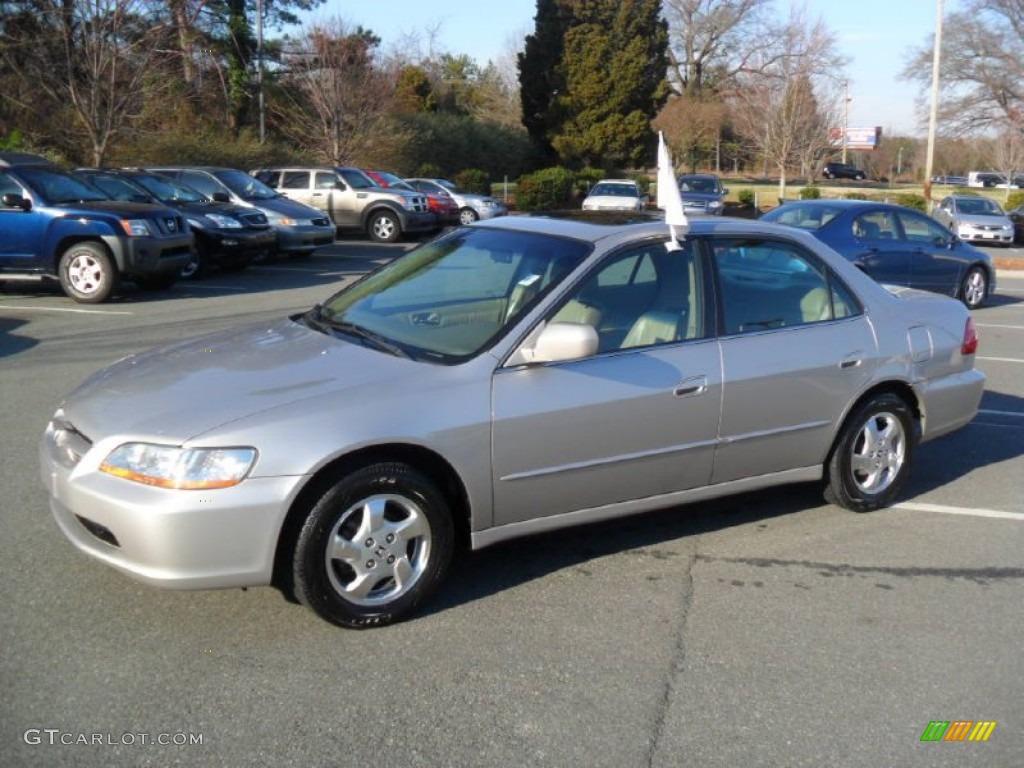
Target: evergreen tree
593, 77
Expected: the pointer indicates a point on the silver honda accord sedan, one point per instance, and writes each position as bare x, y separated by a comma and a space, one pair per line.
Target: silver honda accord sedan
510, 377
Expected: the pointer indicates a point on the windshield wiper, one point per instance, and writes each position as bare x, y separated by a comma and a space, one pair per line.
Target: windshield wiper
380, 342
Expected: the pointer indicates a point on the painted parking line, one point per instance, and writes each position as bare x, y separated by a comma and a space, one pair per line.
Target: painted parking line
1017, 414
913, 506
214, 287
1001, 359
993, 325
69, 309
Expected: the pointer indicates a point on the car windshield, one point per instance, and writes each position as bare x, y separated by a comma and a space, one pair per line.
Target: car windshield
245, 186
808, 216
615, 190
357, 179
169, 191
698, 184
450, 298
119, 188
396, 182
59, 187
980, 206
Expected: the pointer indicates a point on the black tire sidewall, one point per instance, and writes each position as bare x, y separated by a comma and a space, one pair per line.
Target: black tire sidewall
311, 582
108, 281
842, 490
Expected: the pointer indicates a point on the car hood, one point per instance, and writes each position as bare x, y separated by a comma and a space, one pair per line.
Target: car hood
118, 207
282, 206
176, 393
982, 218
613, 201
704, 197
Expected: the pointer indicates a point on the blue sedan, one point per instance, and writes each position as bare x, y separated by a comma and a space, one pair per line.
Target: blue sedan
895, 245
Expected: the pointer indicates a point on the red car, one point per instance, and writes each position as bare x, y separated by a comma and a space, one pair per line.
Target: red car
446, 210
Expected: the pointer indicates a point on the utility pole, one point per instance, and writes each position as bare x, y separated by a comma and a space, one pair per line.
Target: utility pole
933, 117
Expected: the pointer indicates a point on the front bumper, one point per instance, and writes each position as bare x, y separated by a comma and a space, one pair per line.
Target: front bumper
303, 239
150, 255
419, 221
237, 244
167, 538
978, 235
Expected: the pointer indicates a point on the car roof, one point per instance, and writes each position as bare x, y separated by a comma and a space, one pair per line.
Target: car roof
598, 226
617, 181
14, 159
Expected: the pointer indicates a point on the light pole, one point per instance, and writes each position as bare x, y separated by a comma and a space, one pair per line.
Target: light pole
846, 118
933, 117
259, 69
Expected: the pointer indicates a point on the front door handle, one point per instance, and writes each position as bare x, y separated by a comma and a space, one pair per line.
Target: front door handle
852, 360
692, 386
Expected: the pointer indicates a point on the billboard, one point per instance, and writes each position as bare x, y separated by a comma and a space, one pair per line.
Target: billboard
856, 138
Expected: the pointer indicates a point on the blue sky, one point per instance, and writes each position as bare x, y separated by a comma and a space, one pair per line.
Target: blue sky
874, 34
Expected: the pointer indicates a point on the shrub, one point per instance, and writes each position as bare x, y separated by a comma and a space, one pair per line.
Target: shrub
473, 180
1015, 199
428, 171
857, 196
910, 200
588, 177
545, 190
810, 193
745, 197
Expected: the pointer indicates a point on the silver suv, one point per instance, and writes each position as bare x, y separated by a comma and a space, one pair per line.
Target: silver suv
353, 200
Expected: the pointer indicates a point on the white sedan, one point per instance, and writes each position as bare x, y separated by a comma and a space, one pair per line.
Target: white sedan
615, 195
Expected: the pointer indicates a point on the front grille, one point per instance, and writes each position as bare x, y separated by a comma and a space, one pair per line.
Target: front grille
101, 532
254, 219
170, 225
321, 222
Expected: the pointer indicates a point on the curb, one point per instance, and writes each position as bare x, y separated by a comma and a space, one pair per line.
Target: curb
1014, 263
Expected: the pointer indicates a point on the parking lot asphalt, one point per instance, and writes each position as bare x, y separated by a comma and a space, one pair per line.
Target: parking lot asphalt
769, 629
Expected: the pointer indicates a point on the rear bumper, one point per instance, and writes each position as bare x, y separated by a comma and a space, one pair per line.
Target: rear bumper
950, 402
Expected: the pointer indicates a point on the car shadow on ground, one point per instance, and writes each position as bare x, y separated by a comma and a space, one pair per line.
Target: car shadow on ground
650, 534
326, 267
1001, 300
12, 343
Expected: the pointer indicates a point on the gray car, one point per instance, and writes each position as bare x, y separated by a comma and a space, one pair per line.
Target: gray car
702, 193
472, 207
508, 378
975, 219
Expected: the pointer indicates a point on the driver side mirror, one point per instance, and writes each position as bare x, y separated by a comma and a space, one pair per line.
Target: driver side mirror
558, 342
14, 200
221, 197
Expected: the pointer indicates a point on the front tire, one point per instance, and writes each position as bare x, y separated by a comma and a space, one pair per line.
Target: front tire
374, 547
86, 273
385, 227
974, 287
870, 461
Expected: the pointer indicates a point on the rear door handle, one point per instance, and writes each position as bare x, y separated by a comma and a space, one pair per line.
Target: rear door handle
691, 387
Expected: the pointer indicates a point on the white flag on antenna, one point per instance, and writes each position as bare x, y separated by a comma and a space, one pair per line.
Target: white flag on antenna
669, 199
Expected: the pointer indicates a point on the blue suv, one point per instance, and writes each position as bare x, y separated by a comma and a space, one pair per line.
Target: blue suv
54, 225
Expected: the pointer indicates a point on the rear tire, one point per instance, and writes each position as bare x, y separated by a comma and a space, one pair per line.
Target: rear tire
468, 216
87, 273
870, 461
374, 547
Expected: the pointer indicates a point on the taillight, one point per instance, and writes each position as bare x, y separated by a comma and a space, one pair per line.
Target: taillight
970, 343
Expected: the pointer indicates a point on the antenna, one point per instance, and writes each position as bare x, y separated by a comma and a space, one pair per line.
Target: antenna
669, 198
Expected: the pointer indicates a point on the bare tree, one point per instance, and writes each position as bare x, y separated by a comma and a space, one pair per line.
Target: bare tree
96, 55
982, 75
1008, 153
778, 108
334, 97
711, 42
692, 125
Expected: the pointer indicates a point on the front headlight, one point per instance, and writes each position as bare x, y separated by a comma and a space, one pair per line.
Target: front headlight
135, 227
189, 469
224, 222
